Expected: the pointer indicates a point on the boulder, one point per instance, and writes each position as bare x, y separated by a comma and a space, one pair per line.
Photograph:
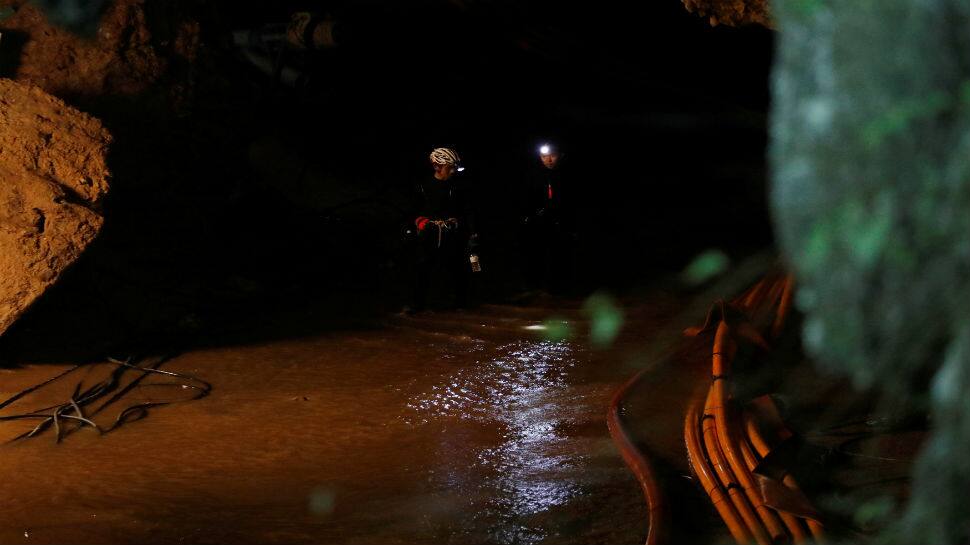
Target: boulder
53, 175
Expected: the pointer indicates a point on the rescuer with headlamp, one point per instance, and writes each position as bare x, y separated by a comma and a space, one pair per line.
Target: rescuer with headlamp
547, 234
445, 231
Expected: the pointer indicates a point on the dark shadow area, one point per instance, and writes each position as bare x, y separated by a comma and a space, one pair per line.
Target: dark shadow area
240, 194
12, 45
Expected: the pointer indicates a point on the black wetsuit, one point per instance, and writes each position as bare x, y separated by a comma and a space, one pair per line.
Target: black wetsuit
440, 251
548, 229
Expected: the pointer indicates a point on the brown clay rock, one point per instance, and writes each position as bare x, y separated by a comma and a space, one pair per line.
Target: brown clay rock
731, 12
122, 58
52, 176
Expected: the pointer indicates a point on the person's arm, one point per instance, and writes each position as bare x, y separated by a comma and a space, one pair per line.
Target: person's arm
420, 214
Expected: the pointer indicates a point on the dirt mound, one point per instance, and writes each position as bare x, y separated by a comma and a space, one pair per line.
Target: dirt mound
53, 172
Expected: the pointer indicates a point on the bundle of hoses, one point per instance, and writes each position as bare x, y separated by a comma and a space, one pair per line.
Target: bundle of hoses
725, 441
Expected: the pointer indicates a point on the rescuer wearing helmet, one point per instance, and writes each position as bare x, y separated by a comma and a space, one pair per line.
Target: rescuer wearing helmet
547, 237
444, 225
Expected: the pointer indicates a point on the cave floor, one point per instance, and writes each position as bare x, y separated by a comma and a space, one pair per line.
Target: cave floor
448, 427
461, 427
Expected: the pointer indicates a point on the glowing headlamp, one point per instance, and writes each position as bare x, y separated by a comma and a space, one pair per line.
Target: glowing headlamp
545, 149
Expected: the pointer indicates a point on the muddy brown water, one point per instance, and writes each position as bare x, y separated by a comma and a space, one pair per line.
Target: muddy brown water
445, 428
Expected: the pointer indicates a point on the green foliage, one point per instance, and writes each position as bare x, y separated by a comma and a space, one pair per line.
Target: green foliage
606, 319
705, 266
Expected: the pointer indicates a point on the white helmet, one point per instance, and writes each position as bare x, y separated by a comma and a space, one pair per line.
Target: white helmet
445, 156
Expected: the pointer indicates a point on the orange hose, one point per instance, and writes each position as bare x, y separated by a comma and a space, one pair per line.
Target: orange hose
748, 299
762, 306
791, 522
735, 460
754, 436
638, 464
723, 471
818, 531
734, 446
762, 448
708, 479
777, 291
717, 405
784, 305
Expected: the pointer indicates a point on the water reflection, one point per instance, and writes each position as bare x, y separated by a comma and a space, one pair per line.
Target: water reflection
491, 389
521, 392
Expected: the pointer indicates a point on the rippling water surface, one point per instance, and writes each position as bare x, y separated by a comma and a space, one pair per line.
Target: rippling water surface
446, 428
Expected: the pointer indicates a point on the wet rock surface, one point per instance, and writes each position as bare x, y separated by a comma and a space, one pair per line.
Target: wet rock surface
54, 176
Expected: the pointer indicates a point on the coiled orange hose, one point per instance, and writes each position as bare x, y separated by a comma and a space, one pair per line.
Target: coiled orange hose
702, 467
792, 523
717, 406
762, 448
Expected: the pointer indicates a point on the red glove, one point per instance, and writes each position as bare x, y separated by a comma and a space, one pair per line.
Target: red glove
421, 223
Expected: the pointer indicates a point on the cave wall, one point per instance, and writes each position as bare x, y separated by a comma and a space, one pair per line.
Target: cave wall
870, 155
731, 12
